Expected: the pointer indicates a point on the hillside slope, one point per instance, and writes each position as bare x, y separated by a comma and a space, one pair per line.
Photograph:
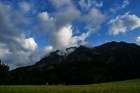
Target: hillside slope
109, 62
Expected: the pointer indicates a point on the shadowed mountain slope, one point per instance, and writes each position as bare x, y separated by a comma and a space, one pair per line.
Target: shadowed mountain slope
109, 62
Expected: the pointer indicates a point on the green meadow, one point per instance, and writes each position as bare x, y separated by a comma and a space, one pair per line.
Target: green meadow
128, 86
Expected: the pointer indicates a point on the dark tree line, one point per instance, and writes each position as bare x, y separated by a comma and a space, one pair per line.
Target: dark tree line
4, 72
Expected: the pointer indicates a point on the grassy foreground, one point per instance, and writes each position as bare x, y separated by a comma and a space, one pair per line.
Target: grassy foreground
128, 86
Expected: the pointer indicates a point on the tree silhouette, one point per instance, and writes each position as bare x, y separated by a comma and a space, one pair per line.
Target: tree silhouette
4, 69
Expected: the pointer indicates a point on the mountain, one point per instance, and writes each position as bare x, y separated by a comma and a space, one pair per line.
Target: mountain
83, 65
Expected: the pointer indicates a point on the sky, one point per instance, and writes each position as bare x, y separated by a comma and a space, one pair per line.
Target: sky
31, 29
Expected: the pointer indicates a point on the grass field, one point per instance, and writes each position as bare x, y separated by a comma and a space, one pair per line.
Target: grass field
128, 86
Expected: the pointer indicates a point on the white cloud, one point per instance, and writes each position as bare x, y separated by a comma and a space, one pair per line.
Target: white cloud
138, 40
44, 16
93, 19
97, 16
86, 5
19, 50
15, 48
30, 44
65, 13
65, 38
81, 39
3, 52
133, 21
59, 30
60, 34
48, 49
124, 23
117, 27
14, 56
25, 6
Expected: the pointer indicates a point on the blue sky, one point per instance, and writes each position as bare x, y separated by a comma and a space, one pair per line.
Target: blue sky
32, 27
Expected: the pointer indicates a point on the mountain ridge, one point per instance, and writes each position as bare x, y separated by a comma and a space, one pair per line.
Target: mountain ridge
108, 62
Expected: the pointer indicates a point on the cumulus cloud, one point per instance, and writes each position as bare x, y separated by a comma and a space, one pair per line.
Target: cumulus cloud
15, 48
138, 40
25, 6
30, 44
18, 48
88, 4
124, 23
65, 38
62, 35
3, 51
44, 16
93, 19
58, 25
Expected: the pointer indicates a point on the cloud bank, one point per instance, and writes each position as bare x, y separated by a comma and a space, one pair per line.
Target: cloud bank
59, 25
124, 23
15, 47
